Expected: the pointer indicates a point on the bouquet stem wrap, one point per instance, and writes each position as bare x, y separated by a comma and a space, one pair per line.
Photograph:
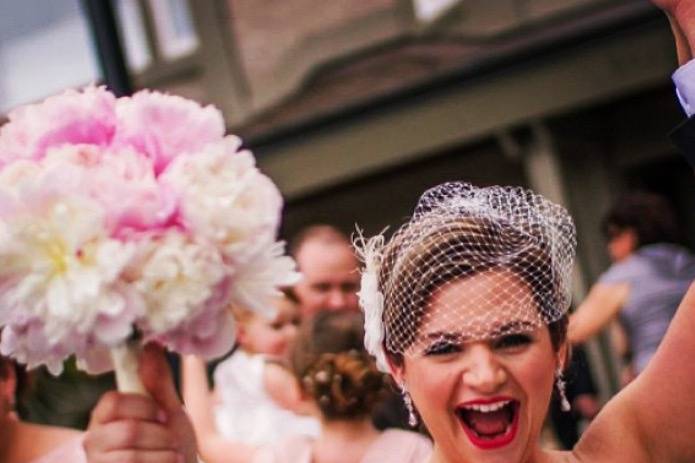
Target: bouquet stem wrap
125, 365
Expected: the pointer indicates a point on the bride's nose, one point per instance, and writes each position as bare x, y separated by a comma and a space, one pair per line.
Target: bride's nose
483, 372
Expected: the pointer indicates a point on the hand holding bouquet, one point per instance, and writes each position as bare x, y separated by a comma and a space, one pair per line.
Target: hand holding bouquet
125, 218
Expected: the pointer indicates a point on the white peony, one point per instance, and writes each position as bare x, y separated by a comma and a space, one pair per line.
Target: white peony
18, 176
59, 268
175, 277
226, 199
257, 280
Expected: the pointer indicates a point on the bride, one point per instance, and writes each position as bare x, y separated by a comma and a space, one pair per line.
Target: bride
466, 307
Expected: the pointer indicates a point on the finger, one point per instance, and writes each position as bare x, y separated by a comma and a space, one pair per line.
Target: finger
117, 406
157, 379
136, 456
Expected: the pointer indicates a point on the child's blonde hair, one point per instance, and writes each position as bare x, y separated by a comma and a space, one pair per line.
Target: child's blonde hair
243, 315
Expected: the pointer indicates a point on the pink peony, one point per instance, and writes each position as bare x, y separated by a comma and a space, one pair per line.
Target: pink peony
73, 117
165, 126
122, 182
209, 334
224, 179
27, 344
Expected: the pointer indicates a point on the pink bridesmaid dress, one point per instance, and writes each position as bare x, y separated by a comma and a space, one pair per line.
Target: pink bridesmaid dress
392, 445
69, 452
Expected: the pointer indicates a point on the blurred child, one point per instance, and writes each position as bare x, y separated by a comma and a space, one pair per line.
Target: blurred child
337, 382
252, 389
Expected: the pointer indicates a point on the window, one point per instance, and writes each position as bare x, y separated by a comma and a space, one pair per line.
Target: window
44, 48
133, 34
430, 10
176, 34
154, 32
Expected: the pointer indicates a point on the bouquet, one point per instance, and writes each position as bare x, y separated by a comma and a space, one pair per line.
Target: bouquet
129, 220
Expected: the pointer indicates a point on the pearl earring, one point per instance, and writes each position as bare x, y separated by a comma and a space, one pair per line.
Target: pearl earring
561, 385
408, 401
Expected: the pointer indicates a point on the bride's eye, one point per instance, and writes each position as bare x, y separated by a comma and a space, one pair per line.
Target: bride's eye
442, 347
512, 341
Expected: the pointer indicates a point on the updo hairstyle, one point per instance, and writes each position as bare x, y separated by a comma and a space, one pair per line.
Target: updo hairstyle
419, 261
332, 367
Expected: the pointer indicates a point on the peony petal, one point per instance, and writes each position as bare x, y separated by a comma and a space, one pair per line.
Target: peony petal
163, 127
73, 117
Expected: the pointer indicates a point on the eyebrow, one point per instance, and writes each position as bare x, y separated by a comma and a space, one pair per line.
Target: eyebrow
514, 326
509, 327
445, 335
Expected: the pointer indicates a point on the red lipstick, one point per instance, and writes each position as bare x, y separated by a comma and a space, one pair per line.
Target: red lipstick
499, 405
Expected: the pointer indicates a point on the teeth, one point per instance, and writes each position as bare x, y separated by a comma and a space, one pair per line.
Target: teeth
487, 408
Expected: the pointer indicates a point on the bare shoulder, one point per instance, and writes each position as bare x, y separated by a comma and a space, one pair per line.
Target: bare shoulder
277, 378
399, 445
558, 456
275, 373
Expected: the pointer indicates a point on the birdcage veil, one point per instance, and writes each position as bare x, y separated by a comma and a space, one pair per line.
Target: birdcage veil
514, 247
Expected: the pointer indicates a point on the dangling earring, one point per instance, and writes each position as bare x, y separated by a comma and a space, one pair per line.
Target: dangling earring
561, 385
412, 417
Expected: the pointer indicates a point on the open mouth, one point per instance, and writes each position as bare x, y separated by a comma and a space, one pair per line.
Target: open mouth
489, 424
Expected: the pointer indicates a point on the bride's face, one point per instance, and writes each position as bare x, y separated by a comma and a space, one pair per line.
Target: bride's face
482, 401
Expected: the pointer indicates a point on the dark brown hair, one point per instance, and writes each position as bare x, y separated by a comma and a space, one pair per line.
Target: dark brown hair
420, 261
5, 368
329, 361
650, 216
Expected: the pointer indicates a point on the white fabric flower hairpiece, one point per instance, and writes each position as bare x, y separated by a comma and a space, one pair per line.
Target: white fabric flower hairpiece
370, 297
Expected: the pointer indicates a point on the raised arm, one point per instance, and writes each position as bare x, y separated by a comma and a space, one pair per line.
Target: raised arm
651, 419
197, 395
663, 394
681, 15
213, 447
601, 306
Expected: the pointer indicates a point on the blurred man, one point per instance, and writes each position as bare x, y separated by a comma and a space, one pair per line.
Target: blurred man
329, 267
330, 281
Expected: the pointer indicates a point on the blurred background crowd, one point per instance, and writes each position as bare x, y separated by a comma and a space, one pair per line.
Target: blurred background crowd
354, 109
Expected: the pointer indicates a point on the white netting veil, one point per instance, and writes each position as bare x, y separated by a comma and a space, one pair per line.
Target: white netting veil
470, 264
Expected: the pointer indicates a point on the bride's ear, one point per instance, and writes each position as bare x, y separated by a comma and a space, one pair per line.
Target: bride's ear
564, 355
396, 368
